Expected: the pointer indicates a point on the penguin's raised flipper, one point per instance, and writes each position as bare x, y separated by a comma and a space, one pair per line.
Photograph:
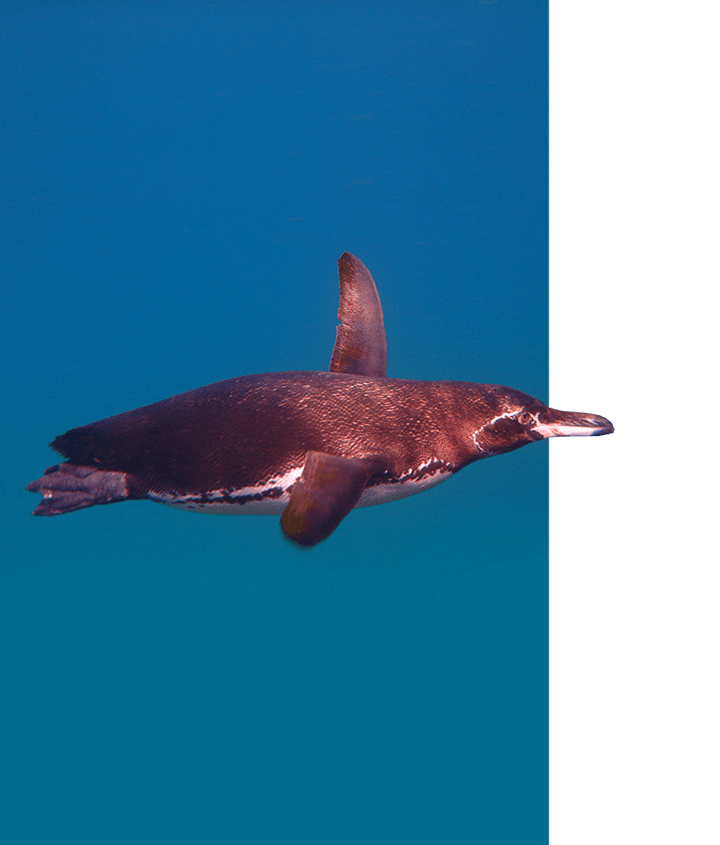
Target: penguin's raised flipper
68, 487
328, 489
360, 343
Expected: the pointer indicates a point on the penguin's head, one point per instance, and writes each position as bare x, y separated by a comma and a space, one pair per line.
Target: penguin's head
513, 419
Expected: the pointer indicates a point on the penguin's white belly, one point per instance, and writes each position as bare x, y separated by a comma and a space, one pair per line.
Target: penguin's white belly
273, 497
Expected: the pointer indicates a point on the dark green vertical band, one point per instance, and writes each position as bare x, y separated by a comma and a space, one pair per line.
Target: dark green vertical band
634, 325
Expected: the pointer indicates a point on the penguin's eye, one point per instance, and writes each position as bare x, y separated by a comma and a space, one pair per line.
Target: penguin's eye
524, 418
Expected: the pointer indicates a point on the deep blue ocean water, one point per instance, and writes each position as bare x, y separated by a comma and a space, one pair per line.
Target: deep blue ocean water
179, 180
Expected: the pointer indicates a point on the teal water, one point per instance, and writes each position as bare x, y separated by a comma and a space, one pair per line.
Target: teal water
179, 181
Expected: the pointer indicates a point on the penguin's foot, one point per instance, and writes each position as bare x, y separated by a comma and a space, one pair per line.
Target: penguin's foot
66, 487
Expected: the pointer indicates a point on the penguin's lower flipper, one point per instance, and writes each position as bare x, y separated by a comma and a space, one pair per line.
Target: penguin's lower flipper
328, 489
67, 487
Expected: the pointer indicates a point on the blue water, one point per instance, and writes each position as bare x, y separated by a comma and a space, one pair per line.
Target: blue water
179, 180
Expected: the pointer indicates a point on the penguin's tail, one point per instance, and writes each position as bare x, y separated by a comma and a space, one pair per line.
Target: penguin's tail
68, 487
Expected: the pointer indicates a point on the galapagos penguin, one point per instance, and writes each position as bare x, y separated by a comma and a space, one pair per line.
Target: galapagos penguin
308, 445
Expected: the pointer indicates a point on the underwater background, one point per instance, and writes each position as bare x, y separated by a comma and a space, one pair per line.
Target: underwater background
179, 180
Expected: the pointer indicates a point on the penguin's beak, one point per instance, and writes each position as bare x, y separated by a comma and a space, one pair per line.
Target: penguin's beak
554, 423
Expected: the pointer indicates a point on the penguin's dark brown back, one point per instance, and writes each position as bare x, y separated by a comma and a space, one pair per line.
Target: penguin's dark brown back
244, 431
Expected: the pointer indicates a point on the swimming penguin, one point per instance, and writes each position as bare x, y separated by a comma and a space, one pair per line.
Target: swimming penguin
308, 445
